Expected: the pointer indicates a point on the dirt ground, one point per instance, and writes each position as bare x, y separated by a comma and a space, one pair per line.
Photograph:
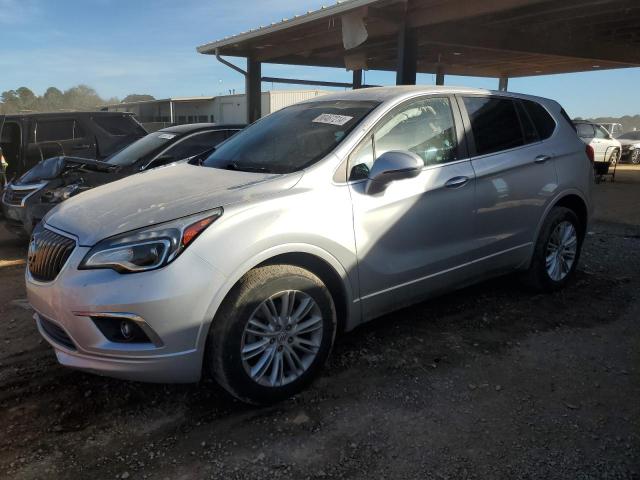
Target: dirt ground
488, 382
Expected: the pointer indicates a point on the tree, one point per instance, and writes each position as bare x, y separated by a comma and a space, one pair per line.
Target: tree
135, 97
26, 98
52, 100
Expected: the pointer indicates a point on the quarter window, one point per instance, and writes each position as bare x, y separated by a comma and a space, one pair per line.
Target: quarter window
494, 123
545, 125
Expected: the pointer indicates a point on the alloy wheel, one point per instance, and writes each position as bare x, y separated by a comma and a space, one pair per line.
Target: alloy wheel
282, 338
562, 247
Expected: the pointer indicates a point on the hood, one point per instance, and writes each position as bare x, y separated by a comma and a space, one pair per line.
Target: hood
55, 167
159, 195
627, 141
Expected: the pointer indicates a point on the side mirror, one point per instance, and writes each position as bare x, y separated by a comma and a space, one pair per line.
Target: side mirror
391, 166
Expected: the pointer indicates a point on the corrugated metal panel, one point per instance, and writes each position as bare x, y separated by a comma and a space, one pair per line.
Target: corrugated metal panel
283, 98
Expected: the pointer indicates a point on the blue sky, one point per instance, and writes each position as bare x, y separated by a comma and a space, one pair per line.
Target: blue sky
142, 46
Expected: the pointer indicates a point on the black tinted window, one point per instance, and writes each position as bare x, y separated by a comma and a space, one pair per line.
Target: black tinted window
196, 144
545, 125
56, 130
494, 123
116, 125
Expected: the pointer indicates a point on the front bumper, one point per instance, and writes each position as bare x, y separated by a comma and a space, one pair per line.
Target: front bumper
172, 301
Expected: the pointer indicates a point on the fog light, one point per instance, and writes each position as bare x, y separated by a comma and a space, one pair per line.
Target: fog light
127, 330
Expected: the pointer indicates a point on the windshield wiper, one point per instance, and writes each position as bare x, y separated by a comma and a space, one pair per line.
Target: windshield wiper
247, 168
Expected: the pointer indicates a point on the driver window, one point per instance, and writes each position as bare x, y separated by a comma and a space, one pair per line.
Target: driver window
424, 127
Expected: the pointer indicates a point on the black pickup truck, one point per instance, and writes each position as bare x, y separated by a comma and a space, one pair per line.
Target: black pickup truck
27, 139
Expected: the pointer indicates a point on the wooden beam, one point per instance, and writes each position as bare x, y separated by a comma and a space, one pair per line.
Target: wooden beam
552, 44
461, 10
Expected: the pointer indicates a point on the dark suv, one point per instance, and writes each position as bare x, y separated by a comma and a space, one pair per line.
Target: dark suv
27, 139
28, 198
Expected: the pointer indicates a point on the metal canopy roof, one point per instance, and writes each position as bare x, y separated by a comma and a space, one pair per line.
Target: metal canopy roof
486, 38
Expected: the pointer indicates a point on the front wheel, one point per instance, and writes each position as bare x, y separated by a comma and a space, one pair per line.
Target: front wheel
635, 156
557, 251
272, 334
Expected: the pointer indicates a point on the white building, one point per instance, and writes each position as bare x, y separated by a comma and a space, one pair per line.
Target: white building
155, 114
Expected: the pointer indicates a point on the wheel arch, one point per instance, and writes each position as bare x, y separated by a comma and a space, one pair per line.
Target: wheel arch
577, 204
572, 199
311, 257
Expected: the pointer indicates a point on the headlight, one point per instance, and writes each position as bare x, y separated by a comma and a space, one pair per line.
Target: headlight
60, 194
148, 248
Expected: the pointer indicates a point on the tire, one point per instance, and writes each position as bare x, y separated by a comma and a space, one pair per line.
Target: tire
613, 159
231, 354
541, 278
635, 156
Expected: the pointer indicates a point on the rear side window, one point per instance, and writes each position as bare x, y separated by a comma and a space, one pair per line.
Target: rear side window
57, 130
196, 144
119, 126
585, 130
494, 123
544, 123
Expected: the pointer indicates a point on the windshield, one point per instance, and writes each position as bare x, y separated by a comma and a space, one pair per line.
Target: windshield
630, 136
292, 138
140, 148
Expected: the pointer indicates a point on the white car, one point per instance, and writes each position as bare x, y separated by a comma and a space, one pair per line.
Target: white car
605, 148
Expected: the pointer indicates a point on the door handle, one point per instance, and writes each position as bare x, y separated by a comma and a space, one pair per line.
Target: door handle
81, 147
456, 182
542, 158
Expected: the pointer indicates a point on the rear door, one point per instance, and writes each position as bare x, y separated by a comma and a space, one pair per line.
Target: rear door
515, 177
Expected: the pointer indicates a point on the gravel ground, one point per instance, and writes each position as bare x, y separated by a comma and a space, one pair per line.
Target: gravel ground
488, 382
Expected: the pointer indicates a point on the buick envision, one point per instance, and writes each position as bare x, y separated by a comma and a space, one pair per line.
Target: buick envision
311, 221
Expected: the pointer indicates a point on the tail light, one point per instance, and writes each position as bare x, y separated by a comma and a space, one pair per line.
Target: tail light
590, 153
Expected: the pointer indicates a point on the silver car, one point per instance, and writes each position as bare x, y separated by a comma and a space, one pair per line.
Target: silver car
313, 220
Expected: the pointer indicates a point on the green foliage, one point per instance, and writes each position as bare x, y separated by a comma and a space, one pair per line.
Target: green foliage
80, 97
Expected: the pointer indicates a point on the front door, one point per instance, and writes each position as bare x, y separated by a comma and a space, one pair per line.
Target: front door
413, 238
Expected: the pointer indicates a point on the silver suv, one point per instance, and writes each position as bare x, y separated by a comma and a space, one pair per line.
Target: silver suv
313, 220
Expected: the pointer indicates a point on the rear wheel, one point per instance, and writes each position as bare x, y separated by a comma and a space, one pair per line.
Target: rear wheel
557, 251
614, 157
272, 334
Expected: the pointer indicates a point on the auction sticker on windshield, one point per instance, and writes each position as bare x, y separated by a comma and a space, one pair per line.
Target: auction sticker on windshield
166, 136
332, 119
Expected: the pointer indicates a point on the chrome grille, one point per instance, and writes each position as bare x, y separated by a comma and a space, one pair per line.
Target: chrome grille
14, 196
48, 252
